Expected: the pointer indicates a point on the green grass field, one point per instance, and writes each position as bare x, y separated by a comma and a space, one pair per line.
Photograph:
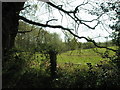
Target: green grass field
81, 56
77, 57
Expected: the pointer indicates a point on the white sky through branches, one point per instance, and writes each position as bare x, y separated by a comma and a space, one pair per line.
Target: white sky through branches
44, 13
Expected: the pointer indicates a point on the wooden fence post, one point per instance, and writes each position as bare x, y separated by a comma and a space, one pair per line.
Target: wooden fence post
53, 63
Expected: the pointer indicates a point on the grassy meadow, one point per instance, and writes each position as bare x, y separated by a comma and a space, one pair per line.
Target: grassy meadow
76, 57
79, 57
82, 56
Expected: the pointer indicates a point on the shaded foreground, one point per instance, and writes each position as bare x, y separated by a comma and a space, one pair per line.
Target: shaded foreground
28, 70
100, 76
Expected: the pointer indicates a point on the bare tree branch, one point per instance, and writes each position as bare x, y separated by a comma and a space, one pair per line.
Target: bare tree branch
66, 12
75, 18
43, 25
59, 8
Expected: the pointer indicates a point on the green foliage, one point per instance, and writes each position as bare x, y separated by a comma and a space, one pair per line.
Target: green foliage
96, 77
116, 33
37, 39
71, 44
87, 45
115, 38
13, 68
20, 69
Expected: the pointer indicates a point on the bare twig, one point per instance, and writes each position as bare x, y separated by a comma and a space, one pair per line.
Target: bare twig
51, 20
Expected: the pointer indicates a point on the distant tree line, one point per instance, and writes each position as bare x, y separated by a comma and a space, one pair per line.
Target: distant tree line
38, 40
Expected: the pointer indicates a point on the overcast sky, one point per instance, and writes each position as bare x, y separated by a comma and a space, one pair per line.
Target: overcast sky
42, 14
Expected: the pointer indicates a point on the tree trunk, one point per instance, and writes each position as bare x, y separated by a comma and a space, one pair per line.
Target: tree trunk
10, 18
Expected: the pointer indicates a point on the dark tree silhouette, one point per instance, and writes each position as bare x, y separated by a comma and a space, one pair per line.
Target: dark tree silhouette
10, 17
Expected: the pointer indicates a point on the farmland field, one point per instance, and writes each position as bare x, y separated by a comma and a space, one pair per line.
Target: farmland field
82, 56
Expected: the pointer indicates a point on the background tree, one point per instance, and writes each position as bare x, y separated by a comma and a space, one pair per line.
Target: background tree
31, 38
116, 31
